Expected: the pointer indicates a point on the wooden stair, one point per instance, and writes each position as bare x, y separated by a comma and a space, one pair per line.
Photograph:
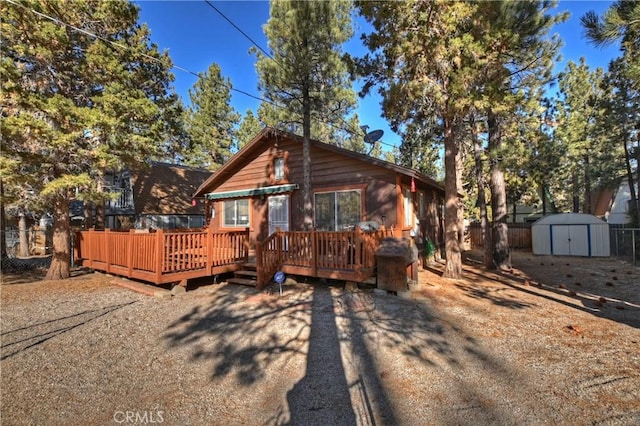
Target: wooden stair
248, 275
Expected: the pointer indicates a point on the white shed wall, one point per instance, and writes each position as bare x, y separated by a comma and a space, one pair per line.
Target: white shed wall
540, 239
570, 235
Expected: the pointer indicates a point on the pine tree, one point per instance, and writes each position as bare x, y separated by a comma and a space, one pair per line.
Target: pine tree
249, 127
590, 152
620, 22
424, 63
77, 103
210, 120
306, 77
621, 123
174, 140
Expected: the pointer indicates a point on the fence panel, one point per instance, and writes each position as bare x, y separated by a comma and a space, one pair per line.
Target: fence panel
38, 241
625, 243
519, 235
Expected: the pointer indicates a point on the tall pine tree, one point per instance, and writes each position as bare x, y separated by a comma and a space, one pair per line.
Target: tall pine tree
211, 120
306, 75
81, 82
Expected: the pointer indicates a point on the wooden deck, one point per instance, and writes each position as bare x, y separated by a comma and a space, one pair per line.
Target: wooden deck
163, 256
174, 256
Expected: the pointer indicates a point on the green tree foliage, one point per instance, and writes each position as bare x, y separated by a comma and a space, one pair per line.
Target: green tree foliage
211, 120
441, 66
621, 123
592, 156
306, 77
621, 22
517, 61
75, 104
422, 62
249, 127
174, 143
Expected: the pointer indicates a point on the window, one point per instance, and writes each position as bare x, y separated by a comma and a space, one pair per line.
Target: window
408, 208
337, 211
235, 213
278, 168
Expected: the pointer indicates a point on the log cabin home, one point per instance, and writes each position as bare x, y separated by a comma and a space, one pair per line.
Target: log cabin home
259, 188
254, 220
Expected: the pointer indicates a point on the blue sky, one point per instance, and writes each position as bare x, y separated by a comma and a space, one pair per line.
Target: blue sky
196, 36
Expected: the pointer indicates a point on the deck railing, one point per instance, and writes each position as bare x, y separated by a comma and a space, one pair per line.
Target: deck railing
348, 253
160, 256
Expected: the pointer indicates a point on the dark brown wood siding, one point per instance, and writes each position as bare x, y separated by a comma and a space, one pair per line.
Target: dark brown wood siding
382, 198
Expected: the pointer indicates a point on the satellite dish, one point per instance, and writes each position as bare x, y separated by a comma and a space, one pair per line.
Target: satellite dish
373, 136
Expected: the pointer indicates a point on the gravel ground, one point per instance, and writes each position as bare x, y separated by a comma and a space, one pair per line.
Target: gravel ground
556, 341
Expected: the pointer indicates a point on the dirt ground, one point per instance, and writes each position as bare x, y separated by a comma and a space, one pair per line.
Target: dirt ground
554, 341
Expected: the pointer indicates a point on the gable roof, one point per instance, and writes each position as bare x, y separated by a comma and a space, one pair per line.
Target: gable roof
230, 167
164, 188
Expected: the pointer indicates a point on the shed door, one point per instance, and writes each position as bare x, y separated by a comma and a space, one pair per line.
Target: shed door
570, 240
278, 213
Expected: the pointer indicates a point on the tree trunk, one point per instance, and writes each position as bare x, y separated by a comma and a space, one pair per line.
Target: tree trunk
586, 206
500, 234
87, 212
459, 186
482, 197
632, 187
453, 267
575, 191
3, 225
60, 259
307, 205
23, 234
100, 209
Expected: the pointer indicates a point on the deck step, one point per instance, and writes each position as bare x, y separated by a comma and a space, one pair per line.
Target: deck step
250, 265
242, 281
246, 273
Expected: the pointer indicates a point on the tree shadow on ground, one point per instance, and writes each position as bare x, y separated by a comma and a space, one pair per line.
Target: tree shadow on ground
557, 290
23, 338
345, 340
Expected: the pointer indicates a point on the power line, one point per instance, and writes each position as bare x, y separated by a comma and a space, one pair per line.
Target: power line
124, 46
185, 70
267, 54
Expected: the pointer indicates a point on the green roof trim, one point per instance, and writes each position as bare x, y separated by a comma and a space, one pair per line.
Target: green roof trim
243, 193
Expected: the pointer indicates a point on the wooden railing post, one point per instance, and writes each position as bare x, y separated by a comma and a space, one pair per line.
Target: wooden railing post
260, 266
159, 254
209, 250
89, 244
314, 251
107, 257
247, 244
359, 244
130, 254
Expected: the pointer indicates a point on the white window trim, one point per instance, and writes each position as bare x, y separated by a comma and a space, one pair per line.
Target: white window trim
408, 207
335, 206
224, 213
278, 176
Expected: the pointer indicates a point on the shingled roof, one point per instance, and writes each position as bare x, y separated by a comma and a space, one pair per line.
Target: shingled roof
164, 188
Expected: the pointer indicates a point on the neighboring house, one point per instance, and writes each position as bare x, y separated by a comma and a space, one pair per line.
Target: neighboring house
260, 188
612, 204
157, 196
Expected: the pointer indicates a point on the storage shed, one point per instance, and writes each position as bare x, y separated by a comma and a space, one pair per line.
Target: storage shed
570, 234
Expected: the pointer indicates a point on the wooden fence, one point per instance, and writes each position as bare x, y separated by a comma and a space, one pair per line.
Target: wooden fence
161, 256
519, 235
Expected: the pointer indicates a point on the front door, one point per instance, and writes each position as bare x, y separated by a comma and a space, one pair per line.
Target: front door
278, 213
